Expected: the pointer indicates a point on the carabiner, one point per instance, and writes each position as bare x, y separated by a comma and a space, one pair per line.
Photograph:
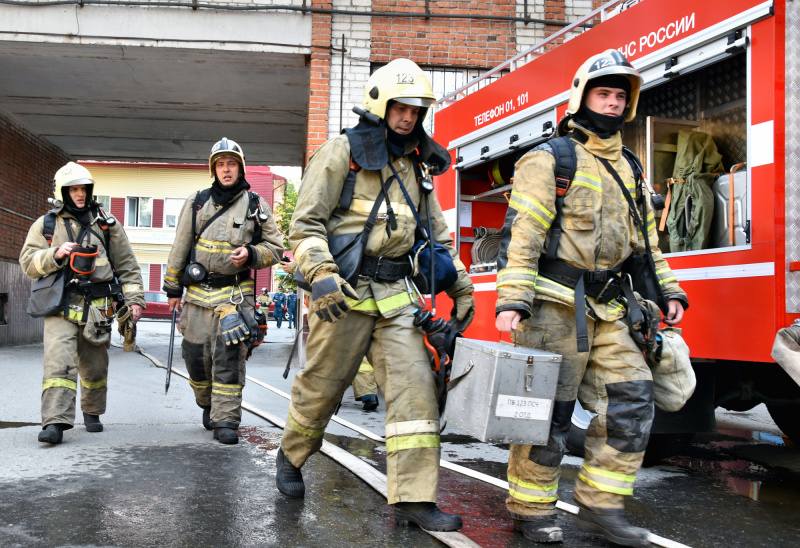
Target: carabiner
233, 292
418, 303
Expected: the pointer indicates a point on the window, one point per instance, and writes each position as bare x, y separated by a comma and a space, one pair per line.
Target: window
105, 203
172, 208
139, 211
145, 275
163, 274
446, 80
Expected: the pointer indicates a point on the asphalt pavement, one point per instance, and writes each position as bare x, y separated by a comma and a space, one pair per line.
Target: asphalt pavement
155, 477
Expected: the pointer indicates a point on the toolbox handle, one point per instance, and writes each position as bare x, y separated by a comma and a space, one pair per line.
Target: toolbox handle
529, 374
455, 380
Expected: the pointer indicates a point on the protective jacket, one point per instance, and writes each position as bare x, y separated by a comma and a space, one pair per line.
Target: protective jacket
37, 259
318, 216
598, 231
213, 249
612, 378
68, 354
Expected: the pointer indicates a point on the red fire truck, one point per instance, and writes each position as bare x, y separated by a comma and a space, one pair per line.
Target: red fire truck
722, 68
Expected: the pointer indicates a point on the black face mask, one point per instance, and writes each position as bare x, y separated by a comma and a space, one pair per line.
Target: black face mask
603, 125
395, 142
223, 194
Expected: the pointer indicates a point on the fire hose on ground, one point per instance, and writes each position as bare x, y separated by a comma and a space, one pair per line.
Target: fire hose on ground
375, 479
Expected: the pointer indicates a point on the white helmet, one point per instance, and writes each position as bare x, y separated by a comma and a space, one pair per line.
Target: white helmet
72, 174
401, 80
610, 62
225, 147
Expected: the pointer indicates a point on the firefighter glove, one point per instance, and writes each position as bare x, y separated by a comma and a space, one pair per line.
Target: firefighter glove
126, 328
231, 324
463, 312
328, 297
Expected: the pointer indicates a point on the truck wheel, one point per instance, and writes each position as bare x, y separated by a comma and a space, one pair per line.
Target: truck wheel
785, 416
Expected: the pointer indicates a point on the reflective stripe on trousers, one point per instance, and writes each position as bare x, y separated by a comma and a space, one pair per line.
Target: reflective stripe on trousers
67, 355
611, 380
395, 349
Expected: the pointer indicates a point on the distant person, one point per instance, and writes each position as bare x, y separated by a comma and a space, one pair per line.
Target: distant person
218, 241
365, 389
73, 344
291, 306
280, 307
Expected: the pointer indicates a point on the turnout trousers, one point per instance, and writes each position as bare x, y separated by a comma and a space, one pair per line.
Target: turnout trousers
396, 350
67, 355
364, 383
216, 371
612, 380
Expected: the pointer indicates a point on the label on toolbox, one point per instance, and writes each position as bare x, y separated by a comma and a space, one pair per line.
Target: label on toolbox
515, 407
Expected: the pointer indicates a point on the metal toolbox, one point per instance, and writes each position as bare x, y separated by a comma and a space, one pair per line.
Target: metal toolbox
501, 393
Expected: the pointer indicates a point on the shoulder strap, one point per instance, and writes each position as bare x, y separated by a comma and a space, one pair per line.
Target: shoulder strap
349, 185
200, 200
255, 204
563, 150
49, 226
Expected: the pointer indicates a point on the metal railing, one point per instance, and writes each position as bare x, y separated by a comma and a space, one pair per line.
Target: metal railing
509, 64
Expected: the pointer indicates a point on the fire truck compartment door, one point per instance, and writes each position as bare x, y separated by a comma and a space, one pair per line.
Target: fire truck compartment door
506, 137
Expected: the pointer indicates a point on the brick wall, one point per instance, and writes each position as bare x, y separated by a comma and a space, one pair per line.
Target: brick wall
26, 181
444, 42
319, 93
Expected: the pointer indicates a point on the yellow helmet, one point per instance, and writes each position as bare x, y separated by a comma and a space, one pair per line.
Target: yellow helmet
610, 62
72, 174
225, 147
401, 80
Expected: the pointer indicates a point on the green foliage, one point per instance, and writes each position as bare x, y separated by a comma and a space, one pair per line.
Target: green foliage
283, 216
285, 210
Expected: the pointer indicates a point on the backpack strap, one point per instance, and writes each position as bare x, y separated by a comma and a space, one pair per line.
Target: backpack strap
563, 149
349, 185
255, 204
49, 226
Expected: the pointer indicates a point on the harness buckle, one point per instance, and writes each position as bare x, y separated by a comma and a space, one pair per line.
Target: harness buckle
602, 291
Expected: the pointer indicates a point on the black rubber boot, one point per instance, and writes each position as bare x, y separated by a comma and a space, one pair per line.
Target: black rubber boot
207, 418
92, 423
52, 433
370, 402
540, 529
225, 435
613, 526
289, 478
427, 515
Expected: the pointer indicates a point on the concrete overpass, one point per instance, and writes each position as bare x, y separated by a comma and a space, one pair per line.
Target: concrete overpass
159, 84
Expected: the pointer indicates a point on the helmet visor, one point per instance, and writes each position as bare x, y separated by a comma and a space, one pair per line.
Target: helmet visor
416, 101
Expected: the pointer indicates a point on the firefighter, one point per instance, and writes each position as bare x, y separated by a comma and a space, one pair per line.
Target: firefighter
597, 234
291, 307
76, 340
365, 389
223, 233
280, 307
374, 318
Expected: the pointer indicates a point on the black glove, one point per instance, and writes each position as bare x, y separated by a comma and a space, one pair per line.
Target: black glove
328, 297
231, 324
258, 327
463, 312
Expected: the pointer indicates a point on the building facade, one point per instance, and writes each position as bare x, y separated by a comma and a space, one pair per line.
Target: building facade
147, 200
